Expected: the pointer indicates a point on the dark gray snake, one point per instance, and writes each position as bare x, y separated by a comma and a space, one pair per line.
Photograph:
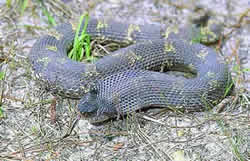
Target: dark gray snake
126, 80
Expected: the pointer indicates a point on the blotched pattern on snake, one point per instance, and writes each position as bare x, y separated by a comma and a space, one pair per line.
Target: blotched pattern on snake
126, 80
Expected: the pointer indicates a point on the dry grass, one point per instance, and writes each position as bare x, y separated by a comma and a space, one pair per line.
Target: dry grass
33, 124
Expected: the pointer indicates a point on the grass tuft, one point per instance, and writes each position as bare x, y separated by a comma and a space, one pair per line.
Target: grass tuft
81, 42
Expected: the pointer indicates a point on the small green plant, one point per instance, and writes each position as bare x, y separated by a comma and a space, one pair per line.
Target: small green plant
197, 39
34, 130
8, 3
81, 42
235, 141
50, 18
22, 3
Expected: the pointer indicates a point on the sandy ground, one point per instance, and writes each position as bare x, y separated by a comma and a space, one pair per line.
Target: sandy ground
33, 125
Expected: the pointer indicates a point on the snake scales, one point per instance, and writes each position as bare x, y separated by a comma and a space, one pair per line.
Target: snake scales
126, 80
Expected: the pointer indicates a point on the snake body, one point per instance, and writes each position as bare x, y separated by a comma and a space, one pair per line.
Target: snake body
126, 80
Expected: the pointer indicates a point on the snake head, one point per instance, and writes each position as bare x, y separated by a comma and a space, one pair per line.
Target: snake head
88, 103
91, 108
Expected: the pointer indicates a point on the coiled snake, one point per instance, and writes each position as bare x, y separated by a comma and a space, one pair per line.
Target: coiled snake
127, 79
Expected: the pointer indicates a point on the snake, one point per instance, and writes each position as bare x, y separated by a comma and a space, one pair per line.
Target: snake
137, 76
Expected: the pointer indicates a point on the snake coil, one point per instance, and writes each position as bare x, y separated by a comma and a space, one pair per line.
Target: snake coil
126, 80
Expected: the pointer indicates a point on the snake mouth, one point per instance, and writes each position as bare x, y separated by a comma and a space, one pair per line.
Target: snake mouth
95, 119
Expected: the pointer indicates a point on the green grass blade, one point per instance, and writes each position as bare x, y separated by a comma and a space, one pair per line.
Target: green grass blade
78, 29
2, 75
1, 112
246, 70
8, 3
86, 20
50, 18
87, 47
23, 5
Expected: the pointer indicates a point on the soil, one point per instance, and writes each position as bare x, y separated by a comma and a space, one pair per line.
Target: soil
34, 123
